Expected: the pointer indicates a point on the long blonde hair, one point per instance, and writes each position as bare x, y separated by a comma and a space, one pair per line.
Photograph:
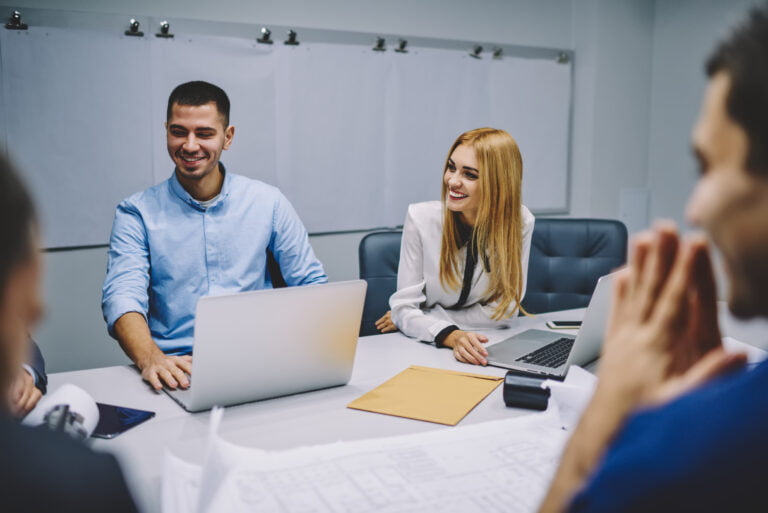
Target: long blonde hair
498, 230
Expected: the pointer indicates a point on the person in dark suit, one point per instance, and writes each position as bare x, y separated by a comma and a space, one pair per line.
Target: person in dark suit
40, 470
30, 384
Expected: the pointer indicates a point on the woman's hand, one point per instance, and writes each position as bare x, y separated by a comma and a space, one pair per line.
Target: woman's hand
467, 346
385, 324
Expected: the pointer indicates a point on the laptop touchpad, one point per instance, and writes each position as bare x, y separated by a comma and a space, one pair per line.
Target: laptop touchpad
512, 348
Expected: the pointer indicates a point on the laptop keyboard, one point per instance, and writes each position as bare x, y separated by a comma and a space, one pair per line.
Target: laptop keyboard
552, 355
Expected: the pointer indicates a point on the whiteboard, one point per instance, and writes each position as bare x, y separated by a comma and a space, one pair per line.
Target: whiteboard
351, 136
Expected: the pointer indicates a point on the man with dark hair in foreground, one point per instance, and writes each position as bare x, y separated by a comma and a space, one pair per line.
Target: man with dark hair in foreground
676, 424
203, 231
39, 470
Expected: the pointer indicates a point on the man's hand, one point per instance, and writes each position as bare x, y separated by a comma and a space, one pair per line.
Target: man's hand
161, 369
663, 337
662, 340
156, 367
385, 324
467, 346
24, 395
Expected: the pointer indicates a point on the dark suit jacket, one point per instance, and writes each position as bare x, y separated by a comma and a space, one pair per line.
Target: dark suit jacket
45, 471
37, 362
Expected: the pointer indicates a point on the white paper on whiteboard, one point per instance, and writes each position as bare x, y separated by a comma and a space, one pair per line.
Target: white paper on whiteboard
77, 114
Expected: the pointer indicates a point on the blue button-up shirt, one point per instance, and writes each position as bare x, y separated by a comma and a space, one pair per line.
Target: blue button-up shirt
167, 251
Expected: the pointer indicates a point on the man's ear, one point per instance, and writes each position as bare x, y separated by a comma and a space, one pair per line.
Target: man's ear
229, 134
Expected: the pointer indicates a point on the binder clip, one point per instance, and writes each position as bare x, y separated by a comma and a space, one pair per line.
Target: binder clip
265, 36
133, 29
14, 22
291, 38
165, 30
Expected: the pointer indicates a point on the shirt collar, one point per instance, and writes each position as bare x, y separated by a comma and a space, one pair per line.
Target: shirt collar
187, 198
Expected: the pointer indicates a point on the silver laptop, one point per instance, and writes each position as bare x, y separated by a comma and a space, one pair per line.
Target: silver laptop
274, 342
550, 354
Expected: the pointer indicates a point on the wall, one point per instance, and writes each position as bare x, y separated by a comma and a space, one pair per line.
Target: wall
613, 41
680, 48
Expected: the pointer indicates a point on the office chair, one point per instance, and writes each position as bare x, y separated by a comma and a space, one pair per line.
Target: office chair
379, 254
274, 274
567, 258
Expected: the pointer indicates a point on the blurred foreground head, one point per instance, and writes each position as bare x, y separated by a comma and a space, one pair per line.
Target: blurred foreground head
730, 142
20, 305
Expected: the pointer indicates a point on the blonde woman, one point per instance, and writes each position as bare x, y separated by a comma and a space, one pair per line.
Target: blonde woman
463, 260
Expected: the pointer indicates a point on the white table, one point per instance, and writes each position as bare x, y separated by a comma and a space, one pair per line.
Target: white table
305, 419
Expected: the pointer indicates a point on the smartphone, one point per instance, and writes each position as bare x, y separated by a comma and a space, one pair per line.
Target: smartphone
114, 420
563, 325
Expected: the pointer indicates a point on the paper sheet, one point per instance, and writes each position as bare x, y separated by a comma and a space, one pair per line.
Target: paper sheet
181, 484
424, 393
494, 466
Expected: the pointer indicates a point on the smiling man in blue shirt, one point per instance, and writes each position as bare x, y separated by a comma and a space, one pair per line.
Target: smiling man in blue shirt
203, 231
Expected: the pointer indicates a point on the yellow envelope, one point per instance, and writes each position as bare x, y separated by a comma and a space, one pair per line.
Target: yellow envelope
425, 393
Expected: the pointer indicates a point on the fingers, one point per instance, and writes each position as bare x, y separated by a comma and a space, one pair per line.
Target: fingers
702, 274
156, 376
169, 370
660, 259
672, 302
385, 324
387, 327
703, 280
385, 319
178, 374
638, 254
17, 390
461, 354
469, 348
185, 364
167, 378
619, 302
153, 379
29, 401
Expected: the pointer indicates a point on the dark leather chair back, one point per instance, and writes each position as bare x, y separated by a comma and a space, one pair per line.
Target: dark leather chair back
567, 258
379, 254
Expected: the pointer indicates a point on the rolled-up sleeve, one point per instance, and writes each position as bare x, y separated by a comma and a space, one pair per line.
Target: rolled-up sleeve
127, 281
290, 245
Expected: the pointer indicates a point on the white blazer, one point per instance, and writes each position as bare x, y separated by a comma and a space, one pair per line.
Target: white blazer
420, 305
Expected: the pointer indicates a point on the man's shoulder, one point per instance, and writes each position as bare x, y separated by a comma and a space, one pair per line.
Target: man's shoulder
149, 196
38, 445
246, 186
45, 469
703, 449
